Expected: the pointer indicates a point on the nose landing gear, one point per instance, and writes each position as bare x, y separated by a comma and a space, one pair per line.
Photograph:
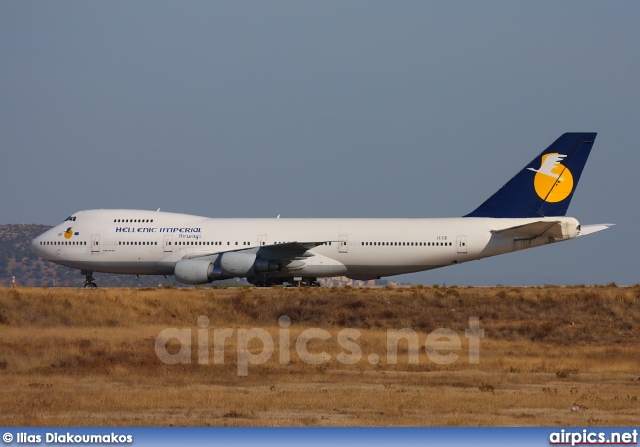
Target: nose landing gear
89, 282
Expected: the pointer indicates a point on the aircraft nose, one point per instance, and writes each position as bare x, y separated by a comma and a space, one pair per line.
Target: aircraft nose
36, 245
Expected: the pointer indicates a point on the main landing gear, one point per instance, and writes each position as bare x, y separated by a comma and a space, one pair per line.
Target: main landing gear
298, 281
290, 282
266, 282
89, 282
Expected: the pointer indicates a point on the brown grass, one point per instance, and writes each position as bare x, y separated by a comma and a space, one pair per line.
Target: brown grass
86, 357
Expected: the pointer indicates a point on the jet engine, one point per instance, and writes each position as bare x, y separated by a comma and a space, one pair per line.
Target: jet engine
227, 265
241, 264
196, 271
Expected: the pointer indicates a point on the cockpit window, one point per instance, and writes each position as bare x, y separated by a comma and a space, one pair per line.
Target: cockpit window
72, 218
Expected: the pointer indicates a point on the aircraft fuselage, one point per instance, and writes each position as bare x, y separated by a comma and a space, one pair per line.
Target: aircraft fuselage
150, 243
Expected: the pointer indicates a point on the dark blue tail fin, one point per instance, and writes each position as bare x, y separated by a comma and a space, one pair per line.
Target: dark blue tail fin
546, 185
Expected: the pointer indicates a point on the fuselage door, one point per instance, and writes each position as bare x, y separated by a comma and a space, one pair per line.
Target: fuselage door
168, 246
461, 242
262, 240
344, 244
95, 243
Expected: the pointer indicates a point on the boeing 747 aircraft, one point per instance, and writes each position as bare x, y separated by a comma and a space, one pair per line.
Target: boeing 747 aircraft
528, 211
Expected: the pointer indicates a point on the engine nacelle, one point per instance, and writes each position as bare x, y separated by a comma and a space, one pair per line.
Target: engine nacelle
266, 265
241, 264
194, 271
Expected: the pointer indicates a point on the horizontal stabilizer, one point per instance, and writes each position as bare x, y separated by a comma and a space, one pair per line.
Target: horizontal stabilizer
588, 229
531, 230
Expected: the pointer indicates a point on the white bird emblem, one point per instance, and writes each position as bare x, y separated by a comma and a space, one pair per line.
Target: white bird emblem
549, 163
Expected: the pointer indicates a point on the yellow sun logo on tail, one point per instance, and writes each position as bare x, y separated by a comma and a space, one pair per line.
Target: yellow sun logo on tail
553, 181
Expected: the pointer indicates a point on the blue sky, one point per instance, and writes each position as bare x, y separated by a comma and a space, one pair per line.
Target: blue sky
323, 109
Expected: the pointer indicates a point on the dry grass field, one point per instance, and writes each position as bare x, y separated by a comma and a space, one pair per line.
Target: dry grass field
565, 356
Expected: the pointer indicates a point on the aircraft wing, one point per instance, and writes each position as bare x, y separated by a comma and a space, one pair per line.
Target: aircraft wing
288, 251
531, 230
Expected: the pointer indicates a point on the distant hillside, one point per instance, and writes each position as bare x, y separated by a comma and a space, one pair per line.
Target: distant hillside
17, 259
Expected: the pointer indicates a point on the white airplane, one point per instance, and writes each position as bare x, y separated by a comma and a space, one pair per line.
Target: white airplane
528, 211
